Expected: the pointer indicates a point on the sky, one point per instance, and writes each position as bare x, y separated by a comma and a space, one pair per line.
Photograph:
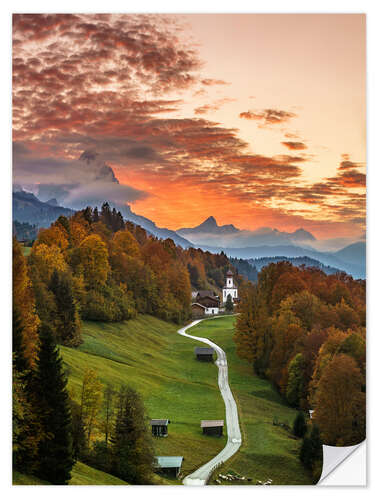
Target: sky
259, 120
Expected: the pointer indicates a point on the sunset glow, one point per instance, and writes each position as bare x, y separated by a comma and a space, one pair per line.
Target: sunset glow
259, 120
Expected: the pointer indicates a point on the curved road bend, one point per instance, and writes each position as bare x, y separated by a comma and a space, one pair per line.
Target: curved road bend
201, 476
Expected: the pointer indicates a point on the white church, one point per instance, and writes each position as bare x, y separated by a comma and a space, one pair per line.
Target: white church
229, 288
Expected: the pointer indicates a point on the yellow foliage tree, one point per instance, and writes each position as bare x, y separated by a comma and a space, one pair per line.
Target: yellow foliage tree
94, 260
55, 235
24, 302
124, 242
46, 258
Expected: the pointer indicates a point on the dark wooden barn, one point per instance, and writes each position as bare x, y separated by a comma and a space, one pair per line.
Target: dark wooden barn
204, 353
159, 427
169, 465
212, 427
208, 301
197, 310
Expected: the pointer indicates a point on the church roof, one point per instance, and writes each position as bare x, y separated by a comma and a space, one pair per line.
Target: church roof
229, 273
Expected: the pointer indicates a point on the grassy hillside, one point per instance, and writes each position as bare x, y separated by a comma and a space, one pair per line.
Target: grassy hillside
267, 450
82, 474
148, 354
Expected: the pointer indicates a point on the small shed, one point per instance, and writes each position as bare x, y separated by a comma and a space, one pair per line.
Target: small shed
212, 427
159, 427
204, 353
169, 465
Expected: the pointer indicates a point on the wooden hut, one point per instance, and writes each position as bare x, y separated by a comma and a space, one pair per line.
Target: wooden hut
212, 427
159, 427
169, 465
204, 353
197, 310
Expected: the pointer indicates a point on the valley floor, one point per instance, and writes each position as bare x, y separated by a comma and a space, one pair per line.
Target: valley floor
149, 355
267, 451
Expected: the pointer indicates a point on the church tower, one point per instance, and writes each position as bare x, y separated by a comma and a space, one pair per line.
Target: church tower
229, 287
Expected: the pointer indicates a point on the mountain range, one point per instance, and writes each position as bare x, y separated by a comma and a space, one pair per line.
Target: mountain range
210, 233
27, 208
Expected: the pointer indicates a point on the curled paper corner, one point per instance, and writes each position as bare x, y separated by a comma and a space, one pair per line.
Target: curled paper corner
333, 456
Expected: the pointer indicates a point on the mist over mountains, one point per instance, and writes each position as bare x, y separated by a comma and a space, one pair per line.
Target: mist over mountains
92, 181
210, 233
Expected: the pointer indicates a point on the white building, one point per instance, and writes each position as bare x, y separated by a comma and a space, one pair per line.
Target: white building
229, 288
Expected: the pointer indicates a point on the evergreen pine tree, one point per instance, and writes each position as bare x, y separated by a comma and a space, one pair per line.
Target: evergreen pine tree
229, 304
131, 448
87, 214
68, 328
305, 453
20, 362
316, 444
55, 460
95, 215
25, 422
299, 425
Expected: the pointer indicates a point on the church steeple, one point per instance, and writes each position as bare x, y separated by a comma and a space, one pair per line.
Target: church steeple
229, 287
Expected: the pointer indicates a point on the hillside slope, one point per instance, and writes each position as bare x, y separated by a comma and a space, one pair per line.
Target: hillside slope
147, 354
82, 474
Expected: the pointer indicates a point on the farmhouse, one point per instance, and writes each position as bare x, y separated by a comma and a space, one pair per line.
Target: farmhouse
205, 303
204, 353
169, 465
212, 427
159, 427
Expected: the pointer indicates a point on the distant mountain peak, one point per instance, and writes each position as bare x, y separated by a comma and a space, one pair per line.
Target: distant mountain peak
211, 226
209, 222
52, 202
301, 234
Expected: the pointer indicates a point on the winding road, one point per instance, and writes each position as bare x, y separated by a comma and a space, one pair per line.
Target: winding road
202, 475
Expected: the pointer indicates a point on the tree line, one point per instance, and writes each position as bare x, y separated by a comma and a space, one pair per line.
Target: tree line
305, 331
96, 266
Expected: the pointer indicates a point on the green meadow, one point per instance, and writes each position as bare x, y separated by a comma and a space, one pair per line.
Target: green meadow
267, 451
82, 474
149, 355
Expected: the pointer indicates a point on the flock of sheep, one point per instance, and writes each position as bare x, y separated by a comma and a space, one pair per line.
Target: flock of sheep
237, 477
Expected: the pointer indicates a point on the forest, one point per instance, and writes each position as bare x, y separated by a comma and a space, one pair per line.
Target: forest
91, 266
305, 332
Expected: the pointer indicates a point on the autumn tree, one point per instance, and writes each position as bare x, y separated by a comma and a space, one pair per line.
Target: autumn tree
109, 395
24, 302
295, 387
340, 402
252, 335
94, 260
91, 400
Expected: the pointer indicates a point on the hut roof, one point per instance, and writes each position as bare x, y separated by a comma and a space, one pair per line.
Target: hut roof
212, 423
160, 421
205, 293
197, 304
165, 462
204, 350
